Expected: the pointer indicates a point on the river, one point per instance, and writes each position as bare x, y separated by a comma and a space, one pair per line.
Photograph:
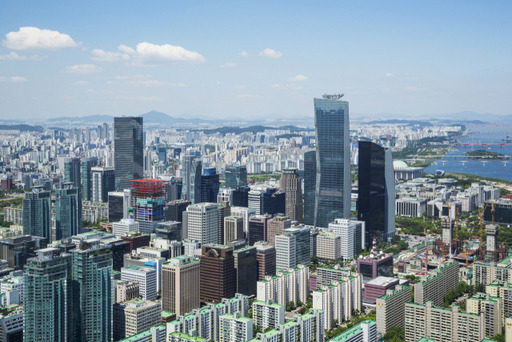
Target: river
487, 133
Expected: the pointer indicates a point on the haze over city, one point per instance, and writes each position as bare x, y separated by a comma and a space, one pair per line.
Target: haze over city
260, 60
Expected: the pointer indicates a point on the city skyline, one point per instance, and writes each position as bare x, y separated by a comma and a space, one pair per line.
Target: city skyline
264, 60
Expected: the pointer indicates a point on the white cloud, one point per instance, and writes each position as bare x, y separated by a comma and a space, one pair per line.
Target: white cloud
81, 83
13, 56
147, 53
13, 79
298, 78
35, 38
99, 55
229, 65
270, 53
390, 75
244, 53
138, 98
84, 69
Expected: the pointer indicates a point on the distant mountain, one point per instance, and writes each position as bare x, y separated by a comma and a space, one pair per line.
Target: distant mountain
83, 119
469, 116
22, 128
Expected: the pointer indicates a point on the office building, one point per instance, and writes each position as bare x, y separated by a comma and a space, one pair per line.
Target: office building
375, 265
92, 292
175, 210
128, 150
37, 213
225, 211
377, 288
244, 212
217, 273
328, 247
103, 182
148, 203
192, 169
267, 201
309, 187
434, 287
266, 259
118, 204
72, 172
136, 240
258, 228
16, 250
209, 185
241, 196
246, 269
145, 276
153, 334
11, 324
352, 235
376, 191
181, 285
203, 223
169, 230
391, 308
68, 211
135, 316
332, 186
233, 229
124, 227
267, 314
86, 166
126, 290
293, 248
410, 206
236, 176
440, 324
48, 296
276, 226
235, 328
291, 184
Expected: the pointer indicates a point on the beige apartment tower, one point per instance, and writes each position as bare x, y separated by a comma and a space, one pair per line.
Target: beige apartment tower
180, 285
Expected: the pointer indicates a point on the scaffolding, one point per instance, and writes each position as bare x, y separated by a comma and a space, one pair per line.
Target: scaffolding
148, 199
147, 188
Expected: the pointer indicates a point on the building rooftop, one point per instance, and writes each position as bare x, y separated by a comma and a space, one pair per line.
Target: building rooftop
382, 281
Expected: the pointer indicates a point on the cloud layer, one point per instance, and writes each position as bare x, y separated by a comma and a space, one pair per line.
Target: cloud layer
34, 38
148, 53
84, 69
270, 53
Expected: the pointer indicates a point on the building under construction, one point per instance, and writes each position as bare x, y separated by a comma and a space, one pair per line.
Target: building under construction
148, 199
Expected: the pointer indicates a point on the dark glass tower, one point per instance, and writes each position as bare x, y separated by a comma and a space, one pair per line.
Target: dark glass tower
209, 185
37, 214
192, 168
332, 187
376, 191
309, 187
236, 176
128, 150
72, 171
87, 165
68, 211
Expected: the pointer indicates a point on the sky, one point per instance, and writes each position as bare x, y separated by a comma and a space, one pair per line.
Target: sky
253, 59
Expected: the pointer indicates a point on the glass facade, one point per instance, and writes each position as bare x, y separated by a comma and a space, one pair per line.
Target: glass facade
68, 212
37, 214
72, 171
332, 186
236, 176
128, 150
376, 192
87, 165
309, 187
192, 170
209, 186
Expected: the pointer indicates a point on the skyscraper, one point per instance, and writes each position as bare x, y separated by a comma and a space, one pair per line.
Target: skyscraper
209, 185
203, 222
236, 176
37, 213
128, 150
192, 169
92, 292
103, 182
309, 187
48, 301
72, 171
148, 203
68, 211
332, 186
86, 165
290, 184
180, 285
376, 191
217, 273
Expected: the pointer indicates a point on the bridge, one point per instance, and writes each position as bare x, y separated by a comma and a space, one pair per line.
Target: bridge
484, 144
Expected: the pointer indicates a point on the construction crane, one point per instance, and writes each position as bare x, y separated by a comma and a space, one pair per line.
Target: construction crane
493, 209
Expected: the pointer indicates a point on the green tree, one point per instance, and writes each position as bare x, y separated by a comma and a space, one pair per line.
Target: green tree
395, 334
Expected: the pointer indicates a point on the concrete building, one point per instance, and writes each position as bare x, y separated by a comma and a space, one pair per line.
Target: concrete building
286, 286
366, 331
442, 325
124, 227
180, 285
246, 269
492, 310
377, 288
11, 324
267, 314
410, 206
126, 290
285, 251
375, 265
276, 226
217, 273
153, 334
438, 284
244, 212
233, 229
503, 290
203, 222
352, 235
146, 277
328, 247
258, 228
135, 316
266, 259
290, 184
235, 328
391, 308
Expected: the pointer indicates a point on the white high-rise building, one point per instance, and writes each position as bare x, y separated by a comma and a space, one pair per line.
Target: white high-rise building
203, 222
352, 236
267, 314
286, 256
291, 285
125, 226
146, 277
235, 328
245, 213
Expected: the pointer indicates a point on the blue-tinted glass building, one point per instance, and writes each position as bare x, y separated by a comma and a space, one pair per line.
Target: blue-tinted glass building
37, 213
332, 183
128, 150
236, 176
68, 211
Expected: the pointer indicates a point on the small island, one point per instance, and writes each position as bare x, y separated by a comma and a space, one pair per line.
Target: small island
487, 155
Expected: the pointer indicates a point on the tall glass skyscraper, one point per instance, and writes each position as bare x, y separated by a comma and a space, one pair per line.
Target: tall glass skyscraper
192, 168
309, 187
37, 213
376, 191
332, 184
86, 166
68, 211
236, 176
48, 297
128, 150
72, 171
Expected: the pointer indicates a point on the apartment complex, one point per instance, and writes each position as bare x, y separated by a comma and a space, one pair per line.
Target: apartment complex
135, 316
287, 286
438, 284
391, 308
366, 331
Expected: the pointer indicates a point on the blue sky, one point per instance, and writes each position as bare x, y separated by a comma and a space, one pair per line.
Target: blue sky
260, 59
